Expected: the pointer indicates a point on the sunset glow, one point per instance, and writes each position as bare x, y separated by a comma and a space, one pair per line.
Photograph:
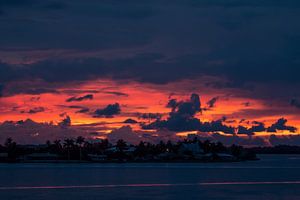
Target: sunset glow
138, 72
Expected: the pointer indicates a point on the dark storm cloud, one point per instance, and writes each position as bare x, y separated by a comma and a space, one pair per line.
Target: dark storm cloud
11, 74
82, 98
109, 111
16, 2
32, 91
55, 5
6, 6
244, 3
247, 43
7, 73
153, 71
91, 25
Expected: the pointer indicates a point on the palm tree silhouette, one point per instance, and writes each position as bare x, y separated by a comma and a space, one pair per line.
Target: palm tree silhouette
121, 145
80, 141
68, 144
11, 147
57, 145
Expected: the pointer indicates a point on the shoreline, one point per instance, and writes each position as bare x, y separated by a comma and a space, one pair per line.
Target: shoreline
125, 162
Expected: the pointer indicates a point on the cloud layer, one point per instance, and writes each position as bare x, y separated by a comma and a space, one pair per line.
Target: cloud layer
241, 53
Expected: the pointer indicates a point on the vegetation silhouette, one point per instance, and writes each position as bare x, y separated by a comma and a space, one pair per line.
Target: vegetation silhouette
81, 150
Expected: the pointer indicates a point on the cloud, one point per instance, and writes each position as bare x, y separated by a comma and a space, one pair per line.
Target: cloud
33, 4
36, 91
109, 111
264, 112
182, 118
182, 115
82, 98
28, 87
295, 103
66, 122
80, 109
172, 104
247, 104
149, 116
188, 108
126, 133
30, 132
257, 127
16, 2
137, 41
67, 70
83, 110
34, 110
280, 125
242, 4
143, 29
216, 126
116, 93
55, 5
1, 90
73, 106
130, 121
134, 137
211, 103
229, 140
6, 6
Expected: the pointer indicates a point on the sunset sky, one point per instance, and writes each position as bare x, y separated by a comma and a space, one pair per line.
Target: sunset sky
149, 70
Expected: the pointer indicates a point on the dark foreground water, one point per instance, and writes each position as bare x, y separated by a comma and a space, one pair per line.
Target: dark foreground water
274, 177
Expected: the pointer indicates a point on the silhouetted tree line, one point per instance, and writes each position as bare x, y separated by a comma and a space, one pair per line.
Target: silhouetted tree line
280, 149
79, 149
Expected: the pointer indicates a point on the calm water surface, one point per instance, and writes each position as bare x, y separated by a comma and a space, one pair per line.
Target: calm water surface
273, 177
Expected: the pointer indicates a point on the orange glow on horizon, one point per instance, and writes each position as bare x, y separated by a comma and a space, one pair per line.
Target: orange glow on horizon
133, 98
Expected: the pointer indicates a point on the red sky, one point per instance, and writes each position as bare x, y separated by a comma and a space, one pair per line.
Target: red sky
135, 97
